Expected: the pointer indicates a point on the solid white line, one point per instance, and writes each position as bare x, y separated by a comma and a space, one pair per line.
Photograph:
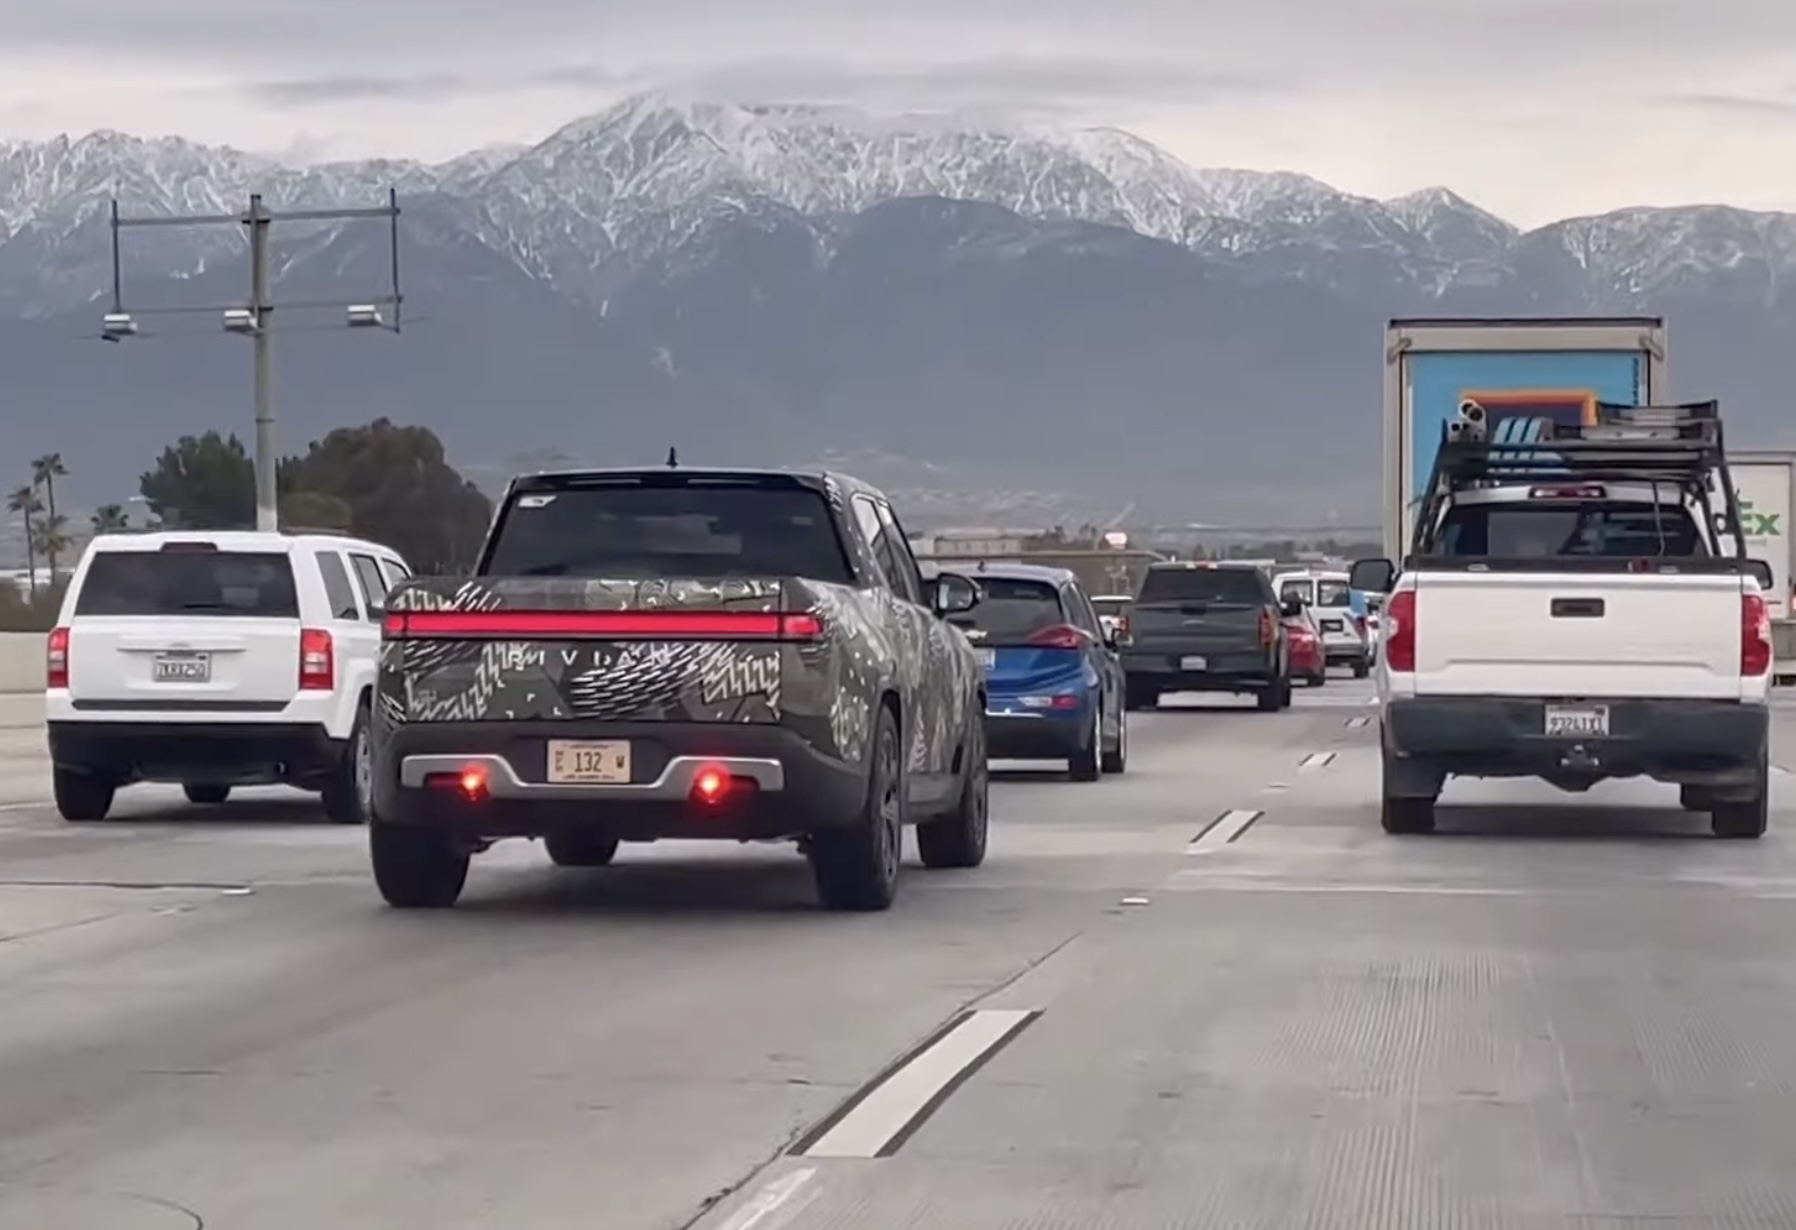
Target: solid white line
24, 806
1230, 826
1315, 760
902, 1096
769, 1200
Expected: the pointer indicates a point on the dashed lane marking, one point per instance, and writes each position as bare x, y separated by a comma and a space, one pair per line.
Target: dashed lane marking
887, 1112
1354, 723
1223, 830
1316, 760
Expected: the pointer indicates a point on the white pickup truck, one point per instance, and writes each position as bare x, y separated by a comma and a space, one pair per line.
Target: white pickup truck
1576, 625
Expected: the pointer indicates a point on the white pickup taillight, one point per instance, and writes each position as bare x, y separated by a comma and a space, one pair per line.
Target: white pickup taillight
317, 661
1755, 636
1399, 631
56, 659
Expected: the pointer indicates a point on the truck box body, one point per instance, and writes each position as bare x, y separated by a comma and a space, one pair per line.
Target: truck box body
1765, 482
1522, 371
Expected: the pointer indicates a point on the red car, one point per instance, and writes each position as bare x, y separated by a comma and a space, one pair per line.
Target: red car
1307, 660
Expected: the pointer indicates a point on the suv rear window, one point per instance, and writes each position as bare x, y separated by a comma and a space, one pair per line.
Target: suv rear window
1013, 610
189, 583
673, 530
1233, 586
1611, 529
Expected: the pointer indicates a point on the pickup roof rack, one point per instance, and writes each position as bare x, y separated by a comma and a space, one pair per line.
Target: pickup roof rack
1677, 445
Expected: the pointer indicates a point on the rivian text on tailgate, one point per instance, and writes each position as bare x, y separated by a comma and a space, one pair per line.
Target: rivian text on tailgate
676, 653
1570, 614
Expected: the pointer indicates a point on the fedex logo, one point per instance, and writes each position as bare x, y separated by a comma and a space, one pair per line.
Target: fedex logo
1758, 524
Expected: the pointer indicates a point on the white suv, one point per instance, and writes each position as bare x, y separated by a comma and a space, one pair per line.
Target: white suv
217, 660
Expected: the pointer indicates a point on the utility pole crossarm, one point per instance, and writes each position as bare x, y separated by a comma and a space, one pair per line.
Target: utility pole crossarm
255, 319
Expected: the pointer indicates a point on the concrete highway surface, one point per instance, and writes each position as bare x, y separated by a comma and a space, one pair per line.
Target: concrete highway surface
1558, 1012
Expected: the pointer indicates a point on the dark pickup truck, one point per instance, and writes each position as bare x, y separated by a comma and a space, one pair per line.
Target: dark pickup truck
680, 653
1208, 627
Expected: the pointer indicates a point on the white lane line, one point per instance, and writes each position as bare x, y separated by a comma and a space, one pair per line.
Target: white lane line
24, 806
1354, 723
770, 1199
1316, 760
899, 1103
1223, 830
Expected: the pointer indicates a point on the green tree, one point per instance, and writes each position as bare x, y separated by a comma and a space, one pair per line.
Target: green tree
24, 501
202, 483
398, 489
110, 519
52, 540
45, 471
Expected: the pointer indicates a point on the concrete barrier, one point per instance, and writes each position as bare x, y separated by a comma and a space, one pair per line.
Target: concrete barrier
21, 662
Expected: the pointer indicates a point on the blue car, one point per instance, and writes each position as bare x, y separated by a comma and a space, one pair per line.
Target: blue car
1054, 685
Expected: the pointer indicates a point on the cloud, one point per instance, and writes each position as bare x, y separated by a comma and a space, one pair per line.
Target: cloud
333, 90
1734, 105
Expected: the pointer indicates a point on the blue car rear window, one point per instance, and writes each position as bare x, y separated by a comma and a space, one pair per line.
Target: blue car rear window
1013, 610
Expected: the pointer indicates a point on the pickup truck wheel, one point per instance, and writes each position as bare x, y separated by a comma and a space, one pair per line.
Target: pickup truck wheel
578, 849
1693, 798
205, 792
350, 787
856, 868
1116, 760
1744, 819
80, 797
1275, 696
1405, 813
958, 838
1084, 765
416, 868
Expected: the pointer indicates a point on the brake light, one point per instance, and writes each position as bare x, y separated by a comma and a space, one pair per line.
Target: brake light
56, 659
1359, 622
1060, 636
1582, 491
649, 625
317, 661
1268, 629
1400, 631
1755, 635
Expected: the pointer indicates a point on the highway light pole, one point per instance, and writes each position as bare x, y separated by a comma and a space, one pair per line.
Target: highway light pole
254, 321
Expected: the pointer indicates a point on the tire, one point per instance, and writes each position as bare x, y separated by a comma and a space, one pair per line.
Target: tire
346, 794
580, 849
80, 797
1316, 681
1744, 819
1116, 760
1403, 815
1693, 798
416, 868
1275, 697
1139, 696
1085, 764
958, 839
856, 868
1361, 668
206, 793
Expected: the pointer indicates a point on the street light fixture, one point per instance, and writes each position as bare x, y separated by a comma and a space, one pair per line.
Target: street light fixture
366, 316
117, 326
241, 320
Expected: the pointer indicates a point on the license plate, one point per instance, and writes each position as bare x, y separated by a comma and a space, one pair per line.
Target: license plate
1194, 664
183, 668
1580, 721
1332, 625
988, 658
576, 763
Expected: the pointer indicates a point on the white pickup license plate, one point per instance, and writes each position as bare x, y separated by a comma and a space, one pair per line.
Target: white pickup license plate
1194, 664
988, 658
1577, 721
182, 668
577, 763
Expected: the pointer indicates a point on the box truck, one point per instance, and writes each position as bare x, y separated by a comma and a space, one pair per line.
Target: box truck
1518, 373
1765, 484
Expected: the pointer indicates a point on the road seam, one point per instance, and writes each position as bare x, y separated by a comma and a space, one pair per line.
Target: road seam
886, 1112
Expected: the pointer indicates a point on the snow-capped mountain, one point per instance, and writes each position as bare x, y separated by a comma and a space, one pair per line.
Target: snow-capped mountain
594, 199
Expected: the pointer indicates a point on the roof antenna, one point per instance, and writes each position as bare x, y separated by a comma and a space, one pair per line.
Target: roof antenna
673, 459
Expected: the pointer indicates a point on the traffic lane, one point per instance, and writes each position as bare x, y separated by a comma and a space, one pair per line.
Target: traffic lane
607, 1047
1579, 1012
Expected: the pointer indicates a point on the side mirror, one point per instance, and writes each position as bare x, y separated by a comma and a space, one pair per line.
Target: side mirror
1760, 571
953, 594
1291, 607
1373, 576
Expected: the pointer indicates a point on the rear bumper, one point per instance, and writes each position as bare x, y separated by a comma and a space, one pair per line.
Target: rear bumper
1705, 741
781, 785
1227, 670
1029, 736
237, 753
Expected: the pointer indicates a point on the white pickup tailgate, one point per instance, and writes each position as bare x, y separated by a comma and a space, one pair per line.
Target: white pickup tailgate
1659, 635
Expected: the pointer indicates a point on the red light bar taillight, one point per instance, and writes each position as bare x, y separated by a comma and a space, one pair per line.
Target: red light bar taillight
602, 625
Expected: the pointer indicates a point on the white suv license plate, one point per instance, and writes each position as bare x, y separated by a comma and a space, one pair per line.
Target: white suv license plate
182, 668
1577, 721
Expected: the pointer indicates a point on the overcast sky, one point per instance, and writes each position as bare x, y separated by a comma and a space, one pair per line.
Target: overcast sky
1536, 109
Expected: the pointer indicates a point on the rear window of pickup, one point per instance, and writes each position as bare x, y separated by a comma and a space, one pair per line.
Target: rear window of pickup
1605, 529
1235, 586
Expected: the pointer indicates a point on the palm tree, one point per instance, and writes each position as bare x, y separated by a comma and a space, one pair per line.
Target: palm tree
110, 518
44, 473
24, 501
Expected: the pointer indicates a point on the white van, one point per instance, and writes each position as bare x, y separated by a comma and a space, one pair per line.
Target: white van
217, 660
1345, 639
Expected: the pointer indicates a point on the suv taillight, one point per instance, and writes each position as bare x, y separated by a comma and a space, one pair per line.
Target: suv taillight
1399, 631
1755, 635
56, 659
317, 661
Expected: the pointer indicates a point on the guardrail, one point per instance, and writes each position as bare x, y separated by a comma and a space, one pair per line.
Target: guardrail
21, 662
